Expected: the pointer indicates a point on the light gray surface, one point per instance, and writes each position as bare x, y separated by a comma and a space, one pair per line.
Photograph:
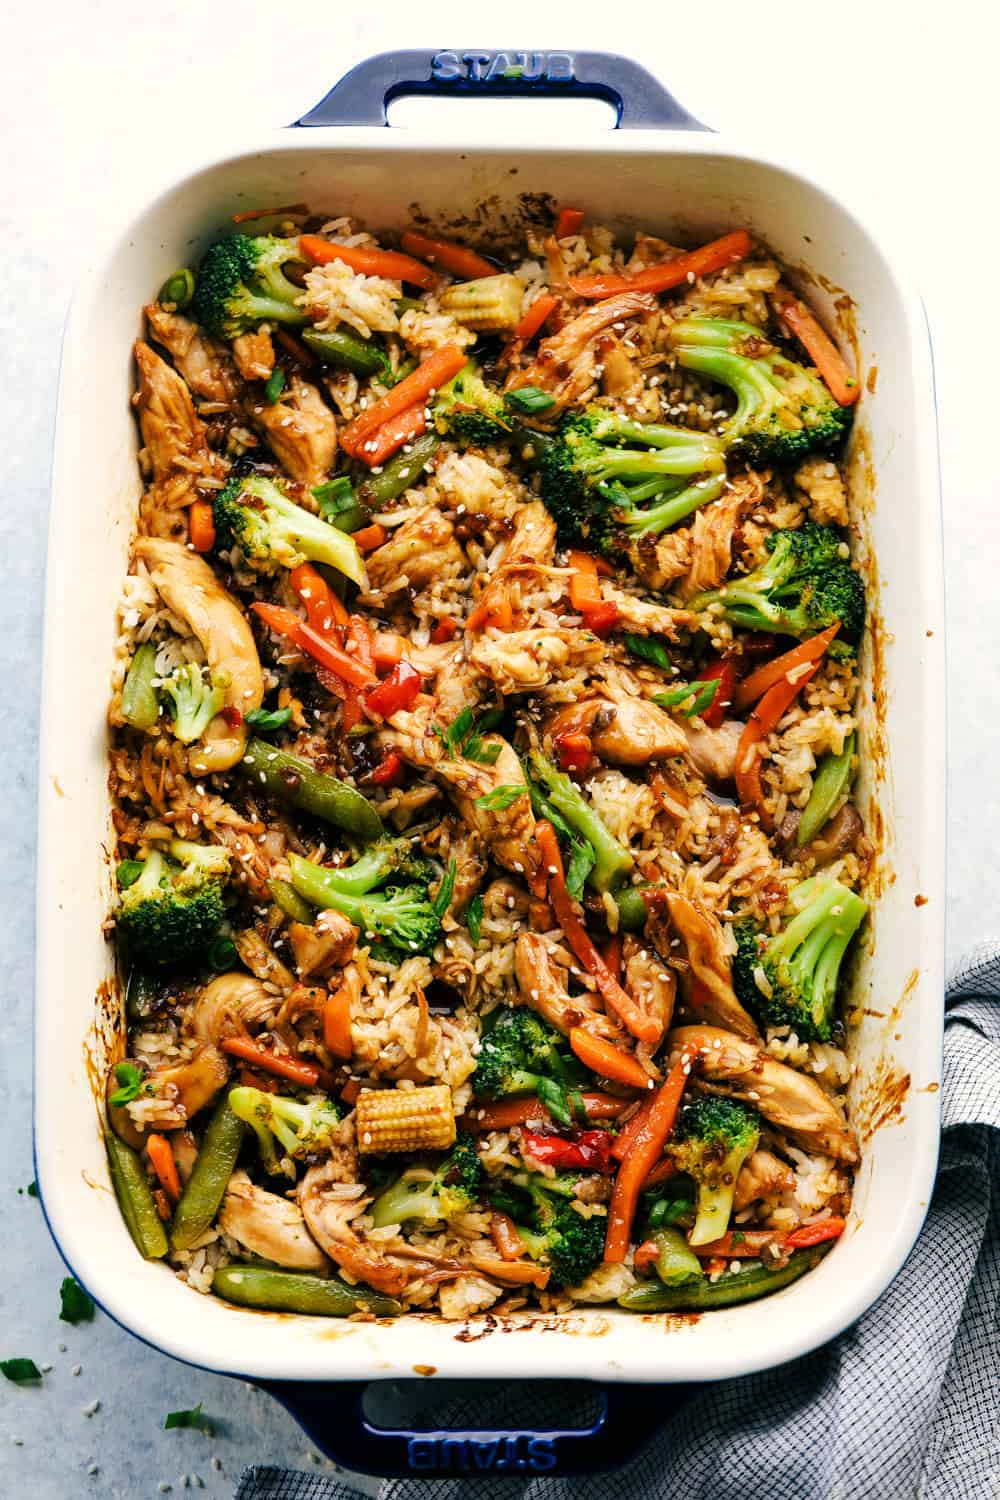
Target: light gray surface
899, 117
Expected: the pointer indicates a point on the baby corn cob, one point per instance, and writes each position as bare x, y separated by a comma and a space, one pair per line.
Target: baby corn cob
405, 1119
491, 302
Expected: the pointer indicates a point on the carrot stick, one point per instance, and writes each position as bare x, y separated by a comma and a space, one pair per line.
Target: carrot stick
815, 1234
842, 385
493, 609
283, 622
647, 1148
324, 611
765, 677
504, 1235
665, 1168
505, 1113
201, 526
436, 370
161, 1158
714, 256
765, 716
391, 436
359, 639
584, 584
370, 537
607, 1060
283, 1067
629, 1013
612, 950
369, 261
455, 259
388, 649
337, 1023
629, 1133
537, 314
568, 222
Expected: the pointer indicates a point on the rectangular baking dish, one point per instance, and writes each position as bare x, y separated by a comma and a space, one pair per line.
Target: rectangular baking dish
684, 184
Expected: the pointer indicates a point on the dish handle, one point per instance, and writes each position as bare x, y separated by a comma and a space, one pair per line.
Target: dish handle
363, 95
333, 1416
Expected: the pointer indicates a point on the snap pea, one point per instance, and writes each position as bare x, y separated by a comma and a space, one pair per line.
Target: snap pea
178, 288
751, 1281
631, 908
284, 895
135, 1198
829, 785
141, 994
676, 1263
338, 347
140, 705
296, 782
407, 304
284, 1291
204, 1190
400, 472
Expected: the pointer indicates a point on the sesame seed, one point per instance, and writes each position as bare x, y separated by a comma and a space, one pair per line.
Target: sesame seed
77, 1370
92, 1409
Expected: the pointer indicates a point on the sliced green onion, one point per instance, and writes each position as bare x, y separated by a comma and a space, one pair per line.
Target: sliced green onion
20, 1370
474, 919
339, 505
178, 288
189, 1418
128, 873
646, 648
274, 385
530, 400
703, 694
446, 890
267, 720
75, 1305
501, 797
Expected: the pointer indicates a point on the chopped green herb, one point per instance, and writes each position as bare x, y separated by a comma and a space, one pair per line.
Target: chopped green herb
404, 368
222, 956
339, 505
701, 693
20, 1370
274, 385
482, 754
582, 860
265, 720
491, 719
530, 400
130, 1077
474, 919
454, 734
646, 648
76, 1305
463, 736
501, 797
189, 1418
406, 304
128, 873
446, 890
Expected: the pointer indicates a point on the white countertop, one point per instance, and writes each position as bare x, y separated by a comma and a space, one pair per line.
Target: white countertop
897, 111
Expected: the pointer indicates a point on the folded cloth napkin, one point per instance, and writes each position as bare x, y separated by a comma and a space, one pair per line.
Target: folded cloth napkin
903, 1406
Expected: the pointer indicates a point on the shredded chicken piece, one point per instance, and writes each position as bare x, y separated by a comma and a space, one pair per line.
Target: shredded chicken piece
328, 1218
650, 983
521, 661
712, 542
191, 1084
421, 550
204, 364
328, 944
254, 354
230, 1005
509, 831
790, 1100
713, 751
543, 989
174, 440
533, 538
567, 362
623, 730
711, 994
762, 1175
643, 617
301, 430
269, 1226
262, 960
189, 587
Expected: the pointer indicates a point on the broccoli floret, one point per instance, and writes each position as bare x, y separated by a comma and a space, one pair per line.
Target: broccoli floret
401, 917
387, 857
612, 861
273, 532
470, 411
595, 487
301, 1127
791, 979
803, 587
554, 1233
196, 699
712, 1140
783, 411
172, 911
453, 1188
519, 1054
241, 283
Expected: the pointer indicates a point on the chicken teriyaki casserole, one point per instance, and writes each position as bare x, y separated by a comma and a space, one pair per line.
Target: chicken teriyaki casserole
482, 753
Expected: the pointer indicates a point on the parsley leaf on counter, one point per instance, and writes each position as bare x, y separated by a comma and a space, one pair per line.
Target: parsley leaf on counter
189, 1418
20, 1370
77, 1306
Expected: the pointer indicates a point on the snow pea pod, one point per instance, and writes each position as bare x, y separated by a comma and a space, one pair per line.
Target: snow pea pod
135, 1198
140, 705
751, 1281
293, 780
676, 1263
400, 472
205, 1188
285, 896
337, 347
284, 1291
829, 785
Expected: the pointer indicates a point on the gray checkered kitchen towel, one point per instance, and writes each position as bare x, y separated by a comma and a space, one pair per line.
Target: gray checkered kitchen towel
903, 1406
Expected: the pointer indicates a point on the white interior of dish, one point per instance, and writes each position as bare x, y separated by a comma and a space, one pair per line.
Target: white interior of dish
682, 186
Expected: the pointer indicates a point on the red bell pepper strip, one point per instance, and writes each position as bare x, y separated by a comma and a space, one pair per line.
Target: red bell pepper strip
589, 1149
815, 1234
573, 752
646, 1254
658, 1122
723, 670
568, 222
455, 259
714, 256
445, 630
389, 771
368, 261
283, 622
396, 692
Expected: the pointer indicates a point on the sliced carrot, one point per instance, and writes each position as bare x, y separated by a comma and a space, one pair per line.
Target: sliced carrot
445, 630
283, 622
765, 716
629, 1133
844, 387
607, 1060
505, 1113
161, 1158
714, 256
455, 259
646, 1150
337, 1023
359, 641
628, 1012
349, 1093
757, 684
584, 584
815, 1234
436, 370
269, 213
612, 951
370, 537
324, 611
283, 1067
392, 435
201, 526
494, 609
645, 1254
568, 222
665, 1168
388, 649
537, 314
503, 1233
369, 261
